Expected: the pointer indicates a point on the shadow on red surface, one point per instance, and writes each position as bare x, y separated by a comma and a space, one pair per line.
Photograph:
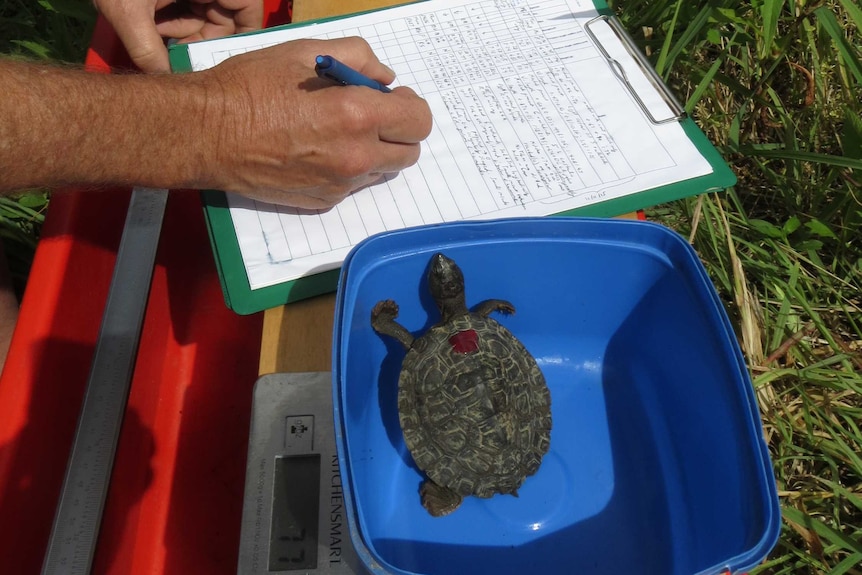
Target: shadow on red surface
175, 499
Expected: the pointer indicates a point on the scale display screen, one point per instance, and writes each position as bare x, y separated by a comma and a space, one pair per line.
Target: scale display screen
293, 515
296, 495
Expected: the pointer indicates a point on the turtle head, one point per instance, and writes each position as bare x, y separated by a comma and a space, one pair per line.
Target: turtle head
447, 284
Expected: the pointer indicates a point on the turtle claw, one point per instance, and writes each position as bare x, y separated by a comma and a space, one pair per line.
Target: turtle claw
438, 500
386, 310
489, 306
383, 316
505, 308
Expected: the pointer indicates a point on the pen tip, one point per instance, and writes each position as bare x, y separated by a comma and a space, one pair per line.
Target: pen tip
321, 59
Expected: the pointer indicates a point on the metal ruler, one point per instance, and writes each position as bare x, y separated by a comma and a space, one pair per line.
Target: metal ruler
79, 513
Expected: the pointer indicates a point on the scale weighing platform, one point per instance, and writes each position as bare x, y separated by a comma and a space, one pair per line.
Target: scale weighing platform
294, 517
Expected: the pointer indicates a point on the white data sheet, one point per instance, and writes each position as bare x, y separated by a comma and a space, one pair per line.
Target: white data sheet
529, 120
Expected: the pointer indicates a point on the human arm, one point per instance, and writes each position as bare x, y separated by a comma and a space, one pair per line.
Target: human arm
261, 124
142, 24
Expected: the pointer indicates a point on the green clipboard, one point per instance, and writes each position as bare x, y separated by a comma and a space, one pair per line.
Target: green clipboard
236, 288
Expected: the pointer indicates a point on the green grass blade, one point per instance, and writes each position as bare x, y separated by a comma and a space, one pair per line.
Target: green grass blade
830, 24
662, 57
848, 565
703, 85
853, 11
814, 157
770, 11
72, 9
34, 48
851, 135
831, 535
686, 40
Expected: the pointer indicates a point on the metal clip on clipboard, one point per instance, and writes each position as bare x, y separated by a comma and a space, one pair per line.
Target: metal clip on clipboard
676, 108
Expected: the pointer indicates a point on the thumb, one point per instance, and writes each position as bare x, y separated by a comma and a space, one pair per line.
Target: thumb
135, 24
146, 48
357, 53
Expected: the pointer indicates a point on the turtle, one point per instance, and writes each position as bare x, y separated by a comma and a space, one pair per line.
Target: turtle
473, 404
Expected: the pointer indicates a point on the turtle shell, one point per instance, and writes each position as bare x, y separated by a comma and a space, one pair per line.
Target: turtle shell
474, 407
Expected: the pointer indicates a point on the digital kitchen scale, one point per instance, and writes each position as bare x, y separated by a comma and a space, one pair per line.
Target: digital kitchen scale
294, 517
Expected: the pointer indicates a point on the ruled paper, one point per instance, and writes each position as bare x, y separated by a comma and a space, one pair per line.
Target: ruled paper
544, 126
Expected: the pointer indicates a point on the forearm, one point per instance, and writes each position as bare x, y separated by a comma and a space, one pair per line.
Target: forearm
61, 126
261, 124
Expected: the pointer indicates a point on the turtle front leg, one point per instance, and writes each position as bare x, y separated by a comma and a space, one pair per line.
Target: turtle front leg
491, 305
438, 500
383, 321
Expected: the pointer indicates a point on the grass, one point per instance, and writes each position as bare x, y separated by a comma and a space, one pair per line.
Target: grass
777, 86
57, 30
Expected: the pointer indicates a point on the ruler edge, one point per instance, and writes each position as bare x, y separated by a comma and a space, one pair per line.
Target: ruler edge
56, 550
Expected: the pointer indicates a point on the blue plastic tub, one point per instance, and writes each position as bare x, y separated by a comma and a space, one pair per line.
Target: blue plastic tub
657, 463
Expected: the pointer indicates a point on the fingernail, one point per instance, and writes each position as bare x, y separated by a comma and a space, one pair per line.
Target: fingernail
391, 71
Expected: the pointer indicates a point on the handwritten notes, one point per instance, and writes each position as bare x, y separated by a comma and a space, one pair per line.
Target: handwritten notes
529, 120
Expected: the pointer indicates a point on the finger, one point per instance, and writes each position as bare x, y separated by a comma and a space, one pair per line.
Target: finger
405, 118
219, 22
236, 15
195, 22
316, 198
181, 26
393, 158
293, 199
248, 14
357, 53
136, 29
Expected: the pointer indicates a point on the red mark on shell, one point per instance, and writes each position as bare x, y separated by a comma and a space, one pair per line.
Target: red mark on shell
466, 341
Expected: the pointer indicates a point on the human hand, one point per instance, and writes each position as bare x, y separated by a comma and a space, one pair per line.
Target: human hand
282, 135
142, 24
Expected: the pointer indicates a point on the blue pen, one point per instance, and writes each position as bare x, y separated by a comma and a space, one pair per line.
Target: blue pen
330, 68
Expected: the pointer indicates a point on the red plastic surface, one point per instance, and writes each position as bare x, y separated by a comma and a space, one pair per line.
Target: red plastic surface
175, 499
